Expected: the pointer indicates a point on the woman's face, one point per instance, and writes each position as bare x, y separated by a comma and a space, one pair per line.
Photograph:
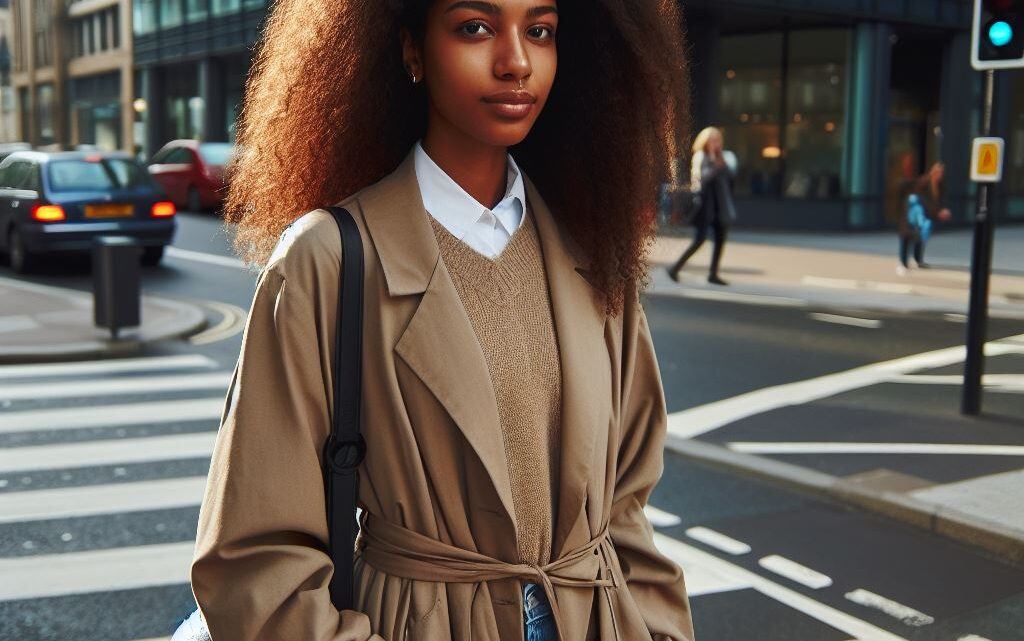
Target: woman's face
714, 145
474, 56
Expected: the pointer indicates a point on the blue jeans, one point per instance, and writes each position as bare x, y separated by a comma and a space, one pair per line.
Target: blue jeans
537, 617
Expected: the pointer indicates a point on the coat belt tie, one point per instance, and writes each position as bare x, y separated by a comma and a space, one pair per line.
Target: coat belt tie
401, 552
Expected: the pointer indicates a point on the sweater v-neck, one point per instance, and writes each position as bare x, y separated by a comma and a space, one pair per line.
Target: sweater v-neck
499, 278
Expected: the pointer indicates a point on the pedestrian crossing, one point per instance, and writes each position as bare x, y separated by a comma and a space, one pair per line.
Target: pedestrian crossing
97, 532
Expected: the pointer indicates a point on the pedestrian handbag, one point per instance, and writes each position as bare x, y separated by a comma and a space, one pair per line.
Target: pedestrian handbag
345, 447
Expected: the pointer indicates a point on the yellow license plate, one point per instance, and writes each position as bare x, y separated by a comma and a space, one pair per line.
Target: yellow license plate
108, 211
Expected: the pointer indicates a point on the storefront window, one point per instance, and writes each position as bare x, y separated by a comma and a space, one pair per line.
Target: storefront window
815, 108
781, 103
44, 114
1013, 164
221, 7
144, 16
750, 92
196, 9
170, 13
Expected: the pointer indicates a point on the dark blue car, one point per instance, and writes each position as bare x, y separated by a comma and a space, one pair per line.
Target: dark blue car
60, 201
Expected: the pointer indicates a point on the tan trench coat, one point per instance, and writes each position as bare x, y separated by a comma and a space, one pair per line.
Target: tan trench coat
435, 462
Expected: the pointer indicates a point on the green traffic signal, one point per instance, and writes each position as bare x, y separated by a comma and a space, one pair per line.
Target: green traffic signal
1000, 33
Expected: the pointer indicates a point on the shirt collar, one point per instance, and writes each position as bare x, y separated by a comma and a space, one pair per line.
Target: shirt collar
453, 207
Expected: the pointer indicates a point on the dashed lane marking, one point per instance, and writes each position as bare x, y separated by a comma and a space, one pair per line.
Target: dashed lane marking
204, 257
852, 321
108, 366
152, 413
121, 451
718, 540
906, 614
794, 571
750, 447
661, 518
102, 387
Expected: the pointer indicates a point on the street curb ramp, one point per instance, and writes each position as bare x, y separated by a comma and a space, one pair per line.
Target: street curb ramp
1003, 542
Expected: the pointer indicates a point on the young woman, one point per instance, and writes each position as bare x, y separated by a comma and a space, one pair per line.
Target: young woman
512, 406
924, 203
711, 174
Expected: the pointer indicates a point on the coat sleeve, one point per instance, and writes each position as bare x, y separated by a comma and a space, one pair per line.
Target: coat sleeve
261, 569
655, 582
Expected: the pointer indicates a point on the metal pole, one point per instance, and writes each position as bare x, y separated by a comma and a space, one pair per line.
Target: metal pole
981, 268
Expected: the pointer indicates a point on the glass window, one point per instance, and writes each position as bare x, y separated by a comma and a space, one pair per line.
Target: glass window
44, 113
170, 13
252, 4
78, 175
179, 156
196, 9
750, 108
144, 16
221, 7
15, 174
115, 26
216, 153
32, 177
815, 113
128, 173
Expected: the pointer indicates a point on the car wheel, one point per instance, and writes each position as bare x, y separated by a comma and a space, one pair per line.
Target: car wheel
152, 256
194, 203
21, 260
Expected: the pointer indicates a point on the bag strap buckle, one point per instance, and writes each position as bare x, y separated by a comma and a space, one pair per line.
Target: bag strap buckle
345, 456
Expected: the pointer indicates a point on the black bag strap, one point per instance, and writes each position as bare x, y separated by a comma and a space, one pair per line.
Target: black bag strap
345, 447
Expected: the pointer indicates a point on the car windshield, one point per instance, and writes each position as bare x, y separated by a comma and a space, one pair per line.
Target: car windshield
216, 153
95, 175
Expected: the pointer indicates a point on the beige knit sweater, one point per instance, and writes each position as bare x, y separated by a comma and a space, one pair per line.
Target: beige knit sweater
508, 304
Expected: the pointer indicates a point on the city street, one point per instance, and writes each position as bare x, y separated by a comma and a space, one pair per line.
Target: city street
763, 561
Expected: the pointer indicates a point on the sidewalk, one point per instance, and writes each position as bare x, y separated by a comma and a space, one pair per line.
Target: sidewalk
887, 437
851, 271
40, 323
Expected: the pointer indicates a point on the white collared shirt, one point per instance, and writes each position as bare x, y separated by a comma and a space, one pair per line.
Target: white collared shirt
485, 230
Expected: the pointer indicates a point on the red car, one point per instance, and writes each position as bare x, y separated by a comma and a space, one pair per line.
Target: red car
192, 172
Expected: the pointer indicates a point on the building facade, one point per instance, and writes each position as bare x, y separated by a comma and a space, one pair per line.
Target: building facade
832, 104
191, 59
72, 75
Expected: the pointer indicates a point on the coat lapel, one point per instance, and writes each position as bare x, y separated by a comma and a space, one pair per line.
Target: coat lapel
440, 346
439, 343
586, 377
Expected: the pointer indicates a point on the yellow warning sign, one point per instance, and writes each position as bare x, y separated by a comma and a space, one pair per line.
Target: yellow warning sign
987, 160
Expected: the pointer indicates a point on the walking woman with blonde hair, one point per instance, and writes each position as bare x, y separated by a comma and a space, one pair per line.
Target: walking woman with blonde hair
712, 171
500, 161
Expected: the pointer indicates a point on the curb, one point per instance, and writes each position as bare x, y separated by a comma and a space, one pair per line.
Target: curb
186, 319
1004, 542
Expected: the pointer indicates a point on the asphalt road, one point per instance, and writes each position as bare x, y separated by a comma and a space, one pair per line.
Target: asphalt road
74, 571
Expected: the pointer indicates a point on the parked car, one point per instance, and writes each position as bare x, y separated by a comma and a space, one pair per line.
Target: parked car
192, 172
61, 201
8, 148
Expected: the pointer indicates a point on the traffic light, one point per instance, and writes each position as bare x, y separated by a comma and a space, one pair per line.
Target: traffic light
998, 34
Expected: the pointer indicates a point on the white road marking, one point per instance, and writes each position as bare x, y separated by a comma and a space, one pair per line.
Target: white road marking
706, 418
661, 518
955, 318
92, 500
204, 257
972, 637
17, 322
151, 413
993, 382
779, 447
696, 561
834, 283
907, 615
794, 571
122, 451
852, 321
109, 386
143, 566
108, 366
718, 540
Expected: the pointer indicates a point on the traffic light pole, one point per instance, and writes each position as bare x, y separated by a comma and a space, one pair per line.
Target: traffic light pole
981, 268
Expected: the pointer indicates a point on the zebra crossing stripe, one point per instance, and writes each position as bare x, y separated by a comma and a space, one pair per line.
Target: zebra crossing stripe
131, 568
107, 452
92, 500
116, 415
109, 387
111, 366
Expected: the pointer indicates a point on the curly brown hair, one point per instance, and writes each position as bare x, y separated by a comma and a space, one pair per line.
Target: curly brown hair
329, 109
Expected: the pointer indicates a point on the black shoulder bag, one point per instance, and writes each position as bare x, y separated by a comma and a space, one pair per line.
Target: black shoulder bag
345, 448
